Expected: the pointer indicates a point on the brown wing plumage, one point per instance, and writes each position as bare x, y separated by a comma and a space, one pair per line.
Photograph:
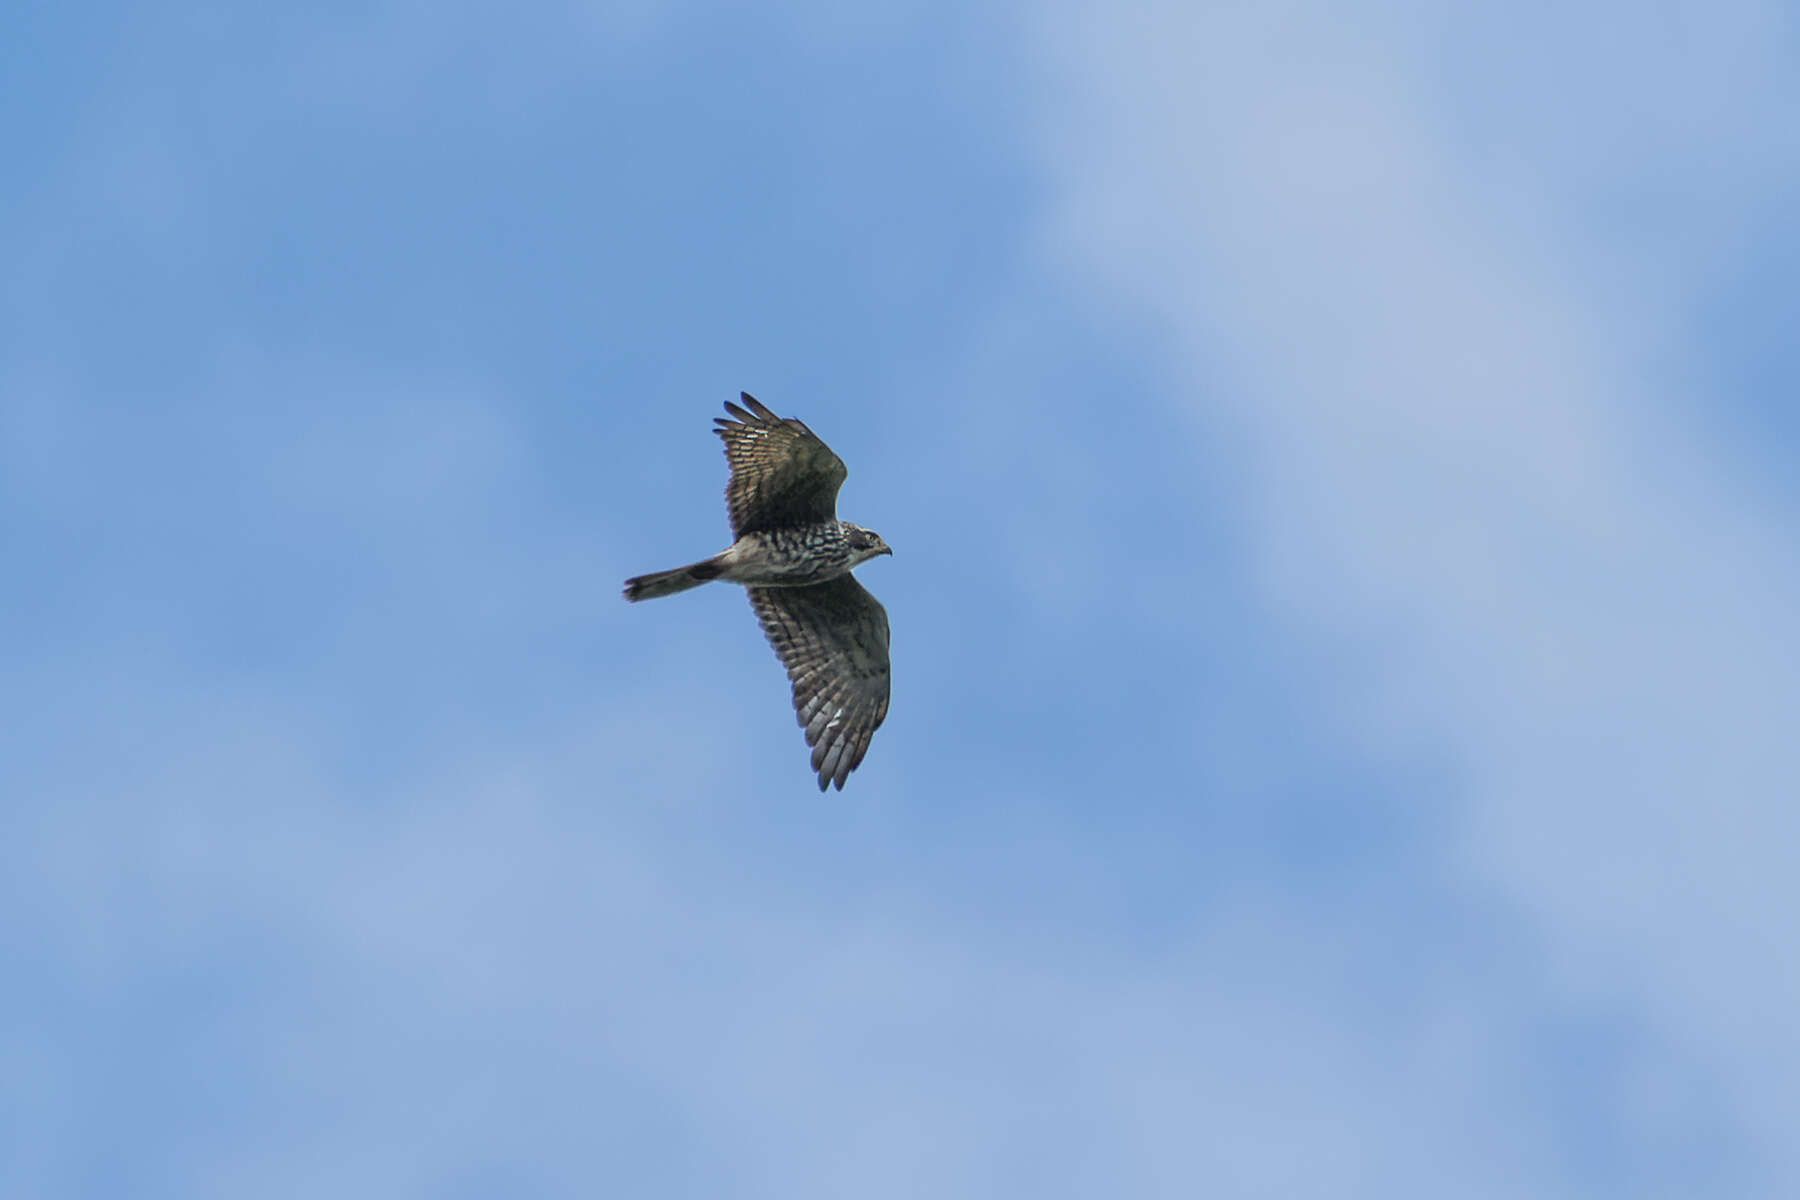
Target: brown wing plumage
782, 475
833, 639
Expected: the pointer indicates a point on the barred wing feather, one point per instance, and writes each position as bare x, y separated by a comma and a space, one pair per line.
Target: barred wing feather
833, 639
782, 475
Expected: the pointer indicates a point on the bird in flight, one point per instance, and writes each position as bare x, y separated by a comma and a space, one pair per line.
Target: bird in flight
795, 557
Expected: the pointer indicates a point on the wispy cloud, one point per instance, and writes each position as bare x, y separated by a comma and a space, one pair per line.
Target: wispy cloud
1470, 460
1339, 732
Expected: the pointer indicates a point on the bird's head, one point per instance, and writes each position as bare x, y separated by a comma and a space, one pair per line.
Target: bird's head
864, 543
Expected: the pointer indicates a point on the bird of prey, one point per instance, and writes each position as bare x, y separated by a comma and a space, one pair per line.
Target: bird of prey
795, 557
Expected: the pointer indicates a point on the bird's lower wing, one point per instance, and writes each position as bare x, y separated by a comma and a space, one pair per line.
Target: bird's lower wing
833, 639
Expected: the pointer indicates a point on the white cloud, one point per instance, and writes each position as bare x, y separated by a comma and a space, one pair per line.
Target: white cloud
448, 890
1469, 460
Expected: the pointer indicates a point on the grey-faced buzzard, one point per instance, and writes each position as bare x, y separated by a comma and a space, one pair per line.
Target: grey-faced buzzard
795, 557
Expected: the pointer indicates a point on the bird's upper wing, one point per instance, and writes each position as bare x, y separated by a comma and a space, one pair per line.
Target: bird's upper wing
781, 473
833, 638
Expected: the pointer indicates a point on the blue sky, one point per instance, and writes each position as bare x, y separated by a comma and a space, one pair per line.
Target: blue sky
1340, 465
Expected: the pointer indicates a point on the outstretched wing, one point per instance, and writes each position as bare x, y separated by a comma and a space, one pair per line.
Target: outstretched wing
782, 475
833, 638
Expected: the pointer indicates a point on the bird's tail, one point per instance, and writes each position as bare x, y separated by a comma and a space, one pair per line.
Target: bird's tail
667, 583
